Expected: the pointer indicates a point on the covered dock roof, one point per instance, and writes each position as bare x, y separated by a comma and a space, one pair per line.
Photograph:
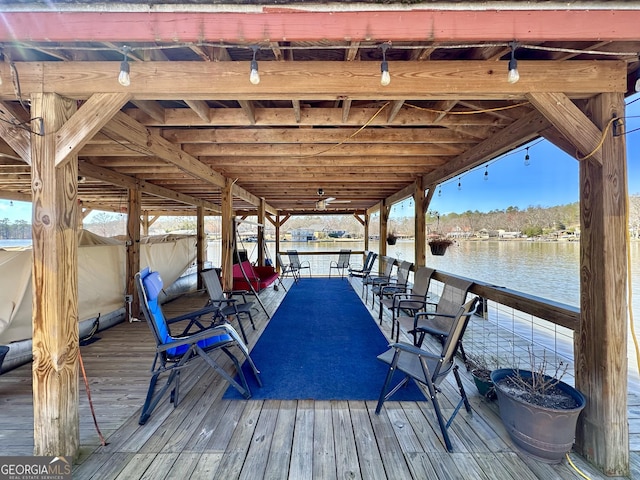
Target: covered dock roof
190, 132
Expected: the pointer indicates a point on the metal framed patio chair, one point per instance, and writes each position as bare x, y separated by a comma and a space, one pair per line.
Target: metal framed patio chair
373, 279
286, 269
364, 270
399, 284
296, 264
436, 320
174, 353
407, 304
342, 263
429, 369
228, 305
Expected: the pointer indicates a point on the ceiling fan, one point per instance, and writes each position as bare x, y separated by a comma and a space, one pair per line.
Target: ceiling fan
324, 202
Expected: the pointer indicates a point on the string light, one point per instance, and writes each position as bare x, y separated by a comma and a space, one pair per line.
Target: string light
439, 191
526, 158
124, 78
459, 183
513, 76
254, 76
486, 173
385, 78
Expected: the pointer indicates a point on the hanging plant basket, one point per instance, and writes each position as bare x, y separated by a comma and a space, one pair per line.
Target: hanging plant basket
392, 239
439, 246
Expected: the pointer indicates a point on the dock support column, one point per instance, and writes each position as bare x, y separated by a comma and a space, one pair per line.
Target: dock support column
228, 236
56, 428
420, 223
262, 218
201, 245
601, 344
384, 229
133, 246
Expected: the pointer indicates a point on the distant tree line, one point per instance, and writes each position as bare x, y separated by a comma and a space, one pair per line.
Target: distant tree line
532, 221
20, 229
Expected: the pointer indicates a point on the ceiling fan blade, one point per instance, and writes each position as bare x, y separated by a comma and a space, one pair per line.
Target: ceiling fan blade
341, 201
329, 199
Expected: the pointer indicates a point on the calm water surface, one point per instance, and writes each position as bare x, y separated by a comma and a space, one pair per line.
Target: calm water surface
545, 269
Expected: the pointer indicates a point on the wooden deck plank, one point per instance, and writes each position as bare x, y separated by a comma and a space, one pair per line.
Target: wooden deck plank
371, 464
137, 466
207, 466
208, 425
236, 451
226, 427
386, 432
183, 466
301, 465
324, 455
258, 454
105, 466
159, 466
347, 465
280, 452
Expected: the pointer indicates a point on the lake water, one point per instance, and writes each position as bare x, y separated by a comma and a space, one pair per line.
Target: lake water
546, 269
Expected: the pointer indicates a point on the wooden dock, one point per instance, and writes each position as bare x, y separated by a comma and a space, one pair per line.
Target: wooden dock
209, 437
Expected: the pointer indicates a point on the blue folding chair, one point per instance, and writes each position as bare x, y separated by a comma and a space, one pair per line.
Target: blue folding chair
175, 352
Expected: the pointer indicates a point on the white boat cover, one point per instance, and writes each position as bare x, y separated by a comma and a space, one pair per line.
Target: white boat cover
101, 277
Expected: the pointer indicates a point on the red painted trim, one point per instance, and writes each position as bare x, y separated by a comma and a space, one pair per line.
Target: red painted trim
295, 25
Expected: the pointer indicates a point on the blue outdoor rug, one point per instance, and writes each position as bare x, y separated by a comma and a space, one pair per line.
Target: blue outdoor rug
321, 344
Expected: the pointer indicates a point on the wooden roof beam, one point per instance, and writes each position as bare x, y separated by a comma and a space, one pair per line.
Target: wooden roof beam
434, 80
86, 122
569, 120
518, 133
123, 126
109, 176
296, 24
15, 132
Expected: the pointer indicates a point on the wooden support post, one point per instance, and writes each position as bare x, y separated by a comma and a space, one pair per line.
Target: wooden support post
601, 343
133, 246
384, 219
367, 220
228, 233
55, 283
420, 223
201, 245
262, 213
145, 223
277, 225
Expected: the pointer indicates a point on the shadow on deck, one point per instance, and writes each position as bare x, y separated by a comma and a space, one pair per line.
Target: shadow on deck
208, 437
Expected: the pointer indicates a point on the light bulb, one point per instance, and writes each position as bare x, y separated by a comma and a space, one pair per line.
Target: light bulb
637, 86
124, 78
513, 76
385, 77
254, 76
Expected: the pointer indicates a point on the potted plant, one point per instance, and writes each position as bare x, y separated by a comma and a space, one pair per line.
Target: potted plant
481, 366
539, 411
392, 238
439, 245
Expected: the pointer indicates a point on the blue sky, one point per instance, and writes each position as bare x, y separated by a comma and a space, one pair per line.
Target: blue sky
550, 179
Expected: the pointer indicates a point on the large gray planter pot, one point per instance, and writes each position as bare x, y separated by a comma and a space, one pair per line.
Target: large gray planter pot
546, 434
